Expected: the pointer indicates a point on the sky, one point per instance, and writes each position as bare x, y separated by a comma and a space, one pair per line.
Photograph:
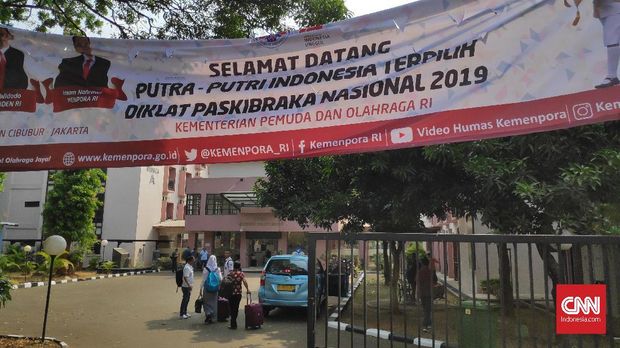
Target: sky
362, 7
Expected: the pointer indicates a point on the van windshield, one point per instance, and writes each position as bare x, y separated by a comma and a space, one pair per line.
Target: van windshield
287, 267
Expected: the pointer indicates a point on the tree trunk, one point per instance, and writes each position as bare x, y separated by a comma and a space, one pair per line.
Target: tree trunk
396, 250
505, 292
553, 267
387, 269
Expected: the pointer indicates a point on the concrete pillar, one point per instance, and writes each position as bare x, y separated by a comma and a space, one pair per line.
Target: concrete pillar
363, 252
192, 240
282, 243
243, 250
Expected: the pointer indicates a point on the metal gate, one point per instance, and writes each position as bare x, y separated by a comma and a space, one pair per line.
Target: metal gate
500, 293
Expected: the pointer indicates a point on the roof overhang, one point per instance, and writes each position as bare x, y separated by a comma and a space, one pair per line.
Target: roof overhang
170, 224
241, 199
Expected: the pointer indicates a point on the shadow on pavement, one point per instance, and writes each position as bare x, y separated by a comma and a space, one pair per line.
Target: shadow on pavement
284, 327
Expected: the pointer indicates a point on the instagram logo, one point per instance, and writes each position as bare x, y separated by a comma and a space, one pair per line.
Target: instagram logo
582, 111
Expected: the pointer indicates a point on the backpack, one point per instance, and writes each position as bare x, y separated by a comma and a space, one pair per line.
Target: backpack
226, 289
212, 284
179, 277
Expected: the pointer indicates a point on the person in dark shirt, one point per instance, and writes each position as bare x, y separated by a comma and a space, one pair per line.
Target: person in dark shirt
12, 74
85, 70
424, 282
411, 274
237, 278
173, 258
187, 252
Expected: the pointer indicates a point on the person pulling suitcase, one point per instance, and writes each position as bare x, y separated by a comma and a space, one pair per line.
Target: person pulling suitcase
237, 278
253, 314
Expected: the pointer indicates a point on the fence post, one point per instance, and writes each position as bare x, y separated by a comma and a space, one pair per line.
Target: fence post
311, 290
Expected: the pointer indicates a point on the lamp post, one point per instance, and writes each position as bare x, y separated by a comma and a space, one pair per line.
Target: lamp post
104, 243
27, 250
53, 246
2, 224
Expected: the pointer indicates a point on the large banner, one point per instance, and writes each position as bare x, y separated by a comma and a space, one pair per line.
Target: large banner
426, 73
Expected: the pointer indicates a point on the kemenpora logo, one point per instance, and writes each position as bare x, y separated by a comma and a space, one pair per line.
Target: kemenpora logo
581, 309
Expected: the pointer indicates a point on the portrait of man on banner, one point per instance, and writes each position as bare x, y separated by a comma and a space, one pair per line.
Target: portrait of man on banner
13, 79
82, 81
85, 70
608, 12
12, 74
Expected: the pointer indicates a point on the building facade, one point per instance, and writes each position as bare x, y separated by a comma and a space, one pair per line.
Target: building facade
222, 214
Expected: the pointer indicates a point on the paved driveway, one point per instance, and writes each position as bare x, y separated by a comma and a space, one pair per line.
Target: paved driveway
138, 311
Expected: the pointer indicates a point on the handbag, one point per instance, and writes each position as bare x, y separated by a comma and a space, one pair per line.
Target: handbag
198, 305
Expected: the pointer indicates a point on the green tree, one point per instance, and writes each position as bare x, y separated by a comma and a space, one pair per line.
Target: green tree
71, 205
5, 290
170, 19
390, 191
2, 177
525, 184
541, 183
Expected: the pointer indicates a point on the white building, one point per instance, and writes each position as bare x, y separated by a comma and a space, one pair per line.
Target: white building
138, 204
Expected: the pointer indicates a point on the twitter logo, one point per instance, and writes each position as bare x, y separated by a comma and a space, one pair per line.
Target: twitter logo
191, 155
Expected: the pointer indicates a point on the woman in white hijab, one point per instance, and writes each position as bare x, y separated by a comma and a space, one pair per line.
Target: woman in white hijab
208, 295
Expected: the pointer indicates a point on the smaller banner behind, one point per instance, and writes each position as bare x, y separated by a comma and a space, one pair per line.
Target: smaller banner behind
426, 73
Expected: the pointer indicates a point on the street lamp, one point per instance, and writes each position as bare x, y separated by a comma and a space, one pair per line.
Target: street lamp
27, 250
2, 224
104, 243
53, 246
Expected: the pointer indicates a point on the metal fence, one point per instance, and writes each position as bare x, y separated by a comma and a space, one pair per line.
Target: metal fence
489, 290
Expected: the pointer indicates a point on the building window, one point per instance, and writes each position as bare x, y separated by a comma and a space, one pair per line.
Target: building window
172, 178
32, 204
169, 211
192, 206
217, 205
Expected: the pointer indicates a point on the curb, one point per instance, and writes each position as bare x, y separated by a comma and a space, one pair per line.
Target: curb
62, 344
334, 323
76, 280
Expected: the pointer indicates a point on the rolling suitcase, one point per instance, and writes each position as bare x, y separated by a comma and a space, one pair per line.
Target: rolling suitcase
253, 314
223, 309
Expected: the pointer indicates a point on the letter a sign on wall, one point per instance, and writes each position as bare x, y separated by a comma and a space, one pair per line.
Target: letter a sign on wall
425, 73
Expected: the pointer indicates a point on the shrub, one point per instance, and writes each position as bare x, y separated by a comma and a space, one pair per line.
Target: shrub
107, 266
27, 268
164, 263
16, 253
411, 249
5, 290
4, 261
491, 286
76, 257
93, 263
61, 264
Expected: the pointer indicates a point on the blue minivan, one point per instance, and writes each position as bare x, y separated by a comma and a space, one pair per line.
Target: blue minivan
284, 283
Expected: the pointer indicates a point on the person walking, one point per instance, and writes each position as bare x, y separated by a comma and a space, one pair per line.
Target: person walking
228, 263
204, 257
187, 252
209, 294
424, 282
237, 278
173, 258
411, 274
186, 287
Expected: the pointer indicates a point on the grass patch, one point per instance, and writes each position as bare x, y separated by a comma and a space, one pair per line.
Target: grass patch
536, 326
